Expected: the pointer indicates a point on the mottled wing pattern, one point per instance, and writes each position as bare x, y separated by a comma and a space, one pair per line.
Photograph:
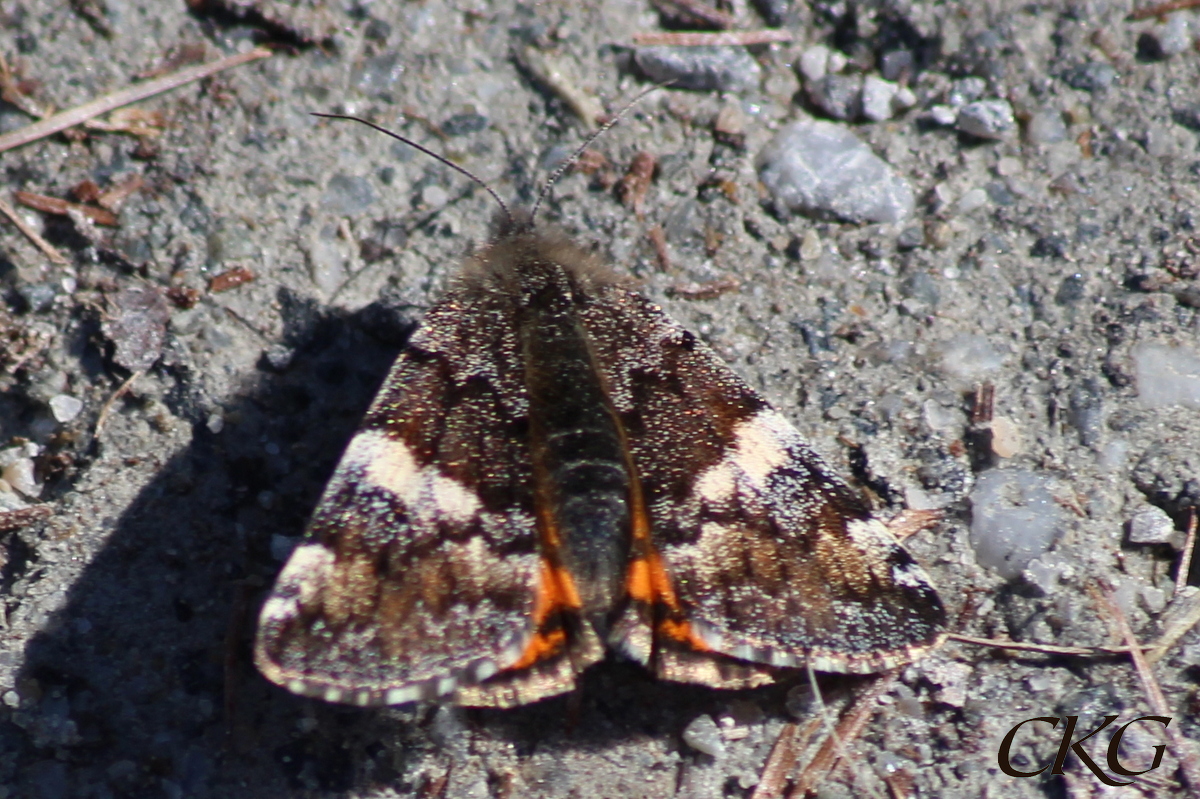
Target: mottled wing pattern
757, 551
420, 574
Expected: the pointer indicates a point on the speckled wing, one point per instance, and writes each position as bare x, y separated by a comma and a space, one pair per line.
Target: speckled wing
757, 551
421, 575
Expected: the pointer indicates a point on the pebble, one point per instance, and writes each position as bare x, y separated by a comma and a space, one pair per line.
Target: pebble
1175, 36
814, 63
987, 119
971, 200
38, 297
810, 245
464, 123
725, 69
1167, 375
1014, 519
878, 98
65, 408
969, 356
1046, 127
1152, 526
897, 65
943, 115
703, 735
1086, 411
1094, 76
965, 90
379, 74
839, 96
17, 469
822, 168
230, 239
347, 195
1006, 437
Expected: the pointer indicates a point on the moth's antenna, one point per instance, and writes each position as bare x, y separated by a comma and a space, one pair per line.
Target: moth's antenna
565, 165
435, 156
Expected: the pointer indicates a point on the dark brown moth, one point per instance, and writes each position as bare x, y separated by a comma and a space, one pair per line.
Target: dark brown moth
554, 469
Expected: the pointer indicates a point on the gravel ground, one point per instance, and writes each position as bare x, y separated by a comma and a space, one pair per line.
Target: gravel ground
1052, 259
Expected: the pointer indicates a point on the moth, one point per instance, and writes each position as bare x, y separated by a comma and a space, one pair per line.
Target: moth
554, 469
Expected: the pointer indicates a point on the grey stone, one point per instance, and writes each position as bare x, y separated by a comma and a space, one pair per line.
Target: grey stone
726, 69
987, 119
821, 168
1151, 526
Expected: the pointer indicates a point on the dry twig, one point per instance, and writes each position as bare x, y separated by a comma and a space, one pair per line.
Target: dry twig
106, 408
46, 247
54, 205
1045, 649
833, 748
787, 747
122, 97
1162, 9
1180, 747
1185, 557
724, 38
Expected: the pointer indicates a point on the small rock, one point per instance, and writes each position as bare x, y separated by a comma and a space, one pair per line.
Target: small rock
819, 167
1051, 246
278, 357
943, 115
1167, 376
810, 245
20, 475
971, 200
704, 736
137, 326
1085, 411
64, 408
952, 677
903, 100
1014, 519
910, 238
1175, 36
229, 239
878, 98
727, 69
813, 63
1006, 437
1152, 526
462, 124
38, 297
969, 356
379, 74
897, 65
839, 96
966, 90
729, 126
987, 119
1046, 127
1094, 76
347, 195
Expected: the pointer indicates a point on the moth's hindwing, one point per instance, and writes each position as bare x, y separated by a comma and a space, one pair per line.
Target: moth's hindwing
420, 574
757, 550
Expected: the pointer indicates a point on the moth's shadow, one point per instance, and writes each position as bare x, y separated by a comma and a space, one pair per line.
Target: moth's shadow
144, 678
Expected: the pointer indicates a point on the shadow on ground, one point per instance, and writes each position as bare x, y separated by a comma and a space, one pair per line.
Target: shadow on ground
144, 683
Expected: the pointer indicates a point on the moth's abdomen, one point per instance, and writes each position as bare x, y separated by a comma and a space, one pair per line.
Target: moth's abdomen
581, 472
